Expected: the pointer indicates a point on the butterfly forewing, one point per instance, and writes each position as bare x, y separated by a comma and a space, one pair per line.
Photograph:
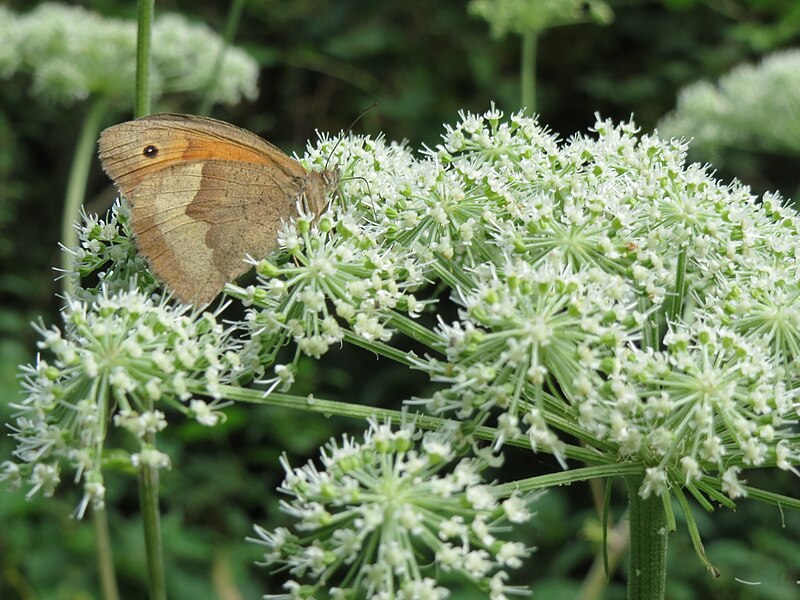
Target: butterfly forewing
204, 195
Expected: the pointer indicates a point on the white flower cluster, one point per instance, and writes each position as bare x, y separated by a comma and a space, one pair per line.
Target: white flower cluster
605, 293
106, 250
623, 298
184, 54
346, 273
372, 520
9, 57
521, 16
739, 111
115, 361
73, 53
608, 292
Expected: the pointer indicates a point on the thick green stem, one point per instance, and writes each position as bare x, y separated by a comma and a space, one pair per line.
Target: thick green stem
143, 40
76, 187
360, 411
105, 559
648, 543
151, 520
528, 71
148, 475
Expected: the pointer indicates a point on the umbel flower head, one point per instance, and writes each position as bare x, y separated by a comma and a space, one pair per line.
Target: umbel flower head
371, 521
73, 53
624, 299
120, 361
342, 275
608, 293
738, 111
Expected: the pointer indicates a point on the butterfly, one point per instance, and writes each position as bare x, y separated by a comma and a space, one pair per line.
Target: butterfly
204, 195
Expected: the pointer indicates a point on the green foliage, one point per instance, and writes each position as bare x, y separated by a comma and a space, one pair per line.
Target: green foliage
320, 64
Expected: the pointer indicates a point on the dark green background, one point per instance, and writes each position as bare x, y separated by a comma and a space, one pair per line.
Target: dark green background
321, 64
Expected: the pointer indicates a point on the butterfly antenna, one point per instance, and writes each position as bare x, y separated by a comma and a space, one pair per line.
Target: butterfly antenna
369, 193
349, 129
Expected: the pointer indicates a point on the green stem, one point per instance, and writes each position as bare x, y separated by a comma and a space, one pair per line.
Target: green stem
651, 337
694, 532
648, 543
772, 498
674, 305
451, 274
417, 332
105, 559
569, 477
359, 411
151, 520
76, 188
231, 24
606, 515
528, 71
143, 41
408, 326
379, 348
148, 475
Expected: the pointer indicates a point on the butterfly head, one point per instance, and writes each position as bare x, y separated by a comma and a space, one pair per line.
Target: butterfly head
317, 191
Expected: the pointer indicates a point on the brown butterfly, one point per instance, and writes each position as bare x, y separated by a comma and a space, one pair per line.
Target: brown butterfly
204, 195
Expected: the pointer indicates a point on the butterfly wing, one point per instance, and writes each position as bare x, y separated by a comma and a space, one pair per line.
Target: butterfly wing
131, 151
195, 236
203, 194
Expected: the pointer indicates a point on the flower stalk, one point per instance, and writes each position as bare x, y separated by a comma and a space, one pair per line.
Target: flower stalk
648, 543
146, 9
82, 158
105, 558
527, 78
148, 473
151, 522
